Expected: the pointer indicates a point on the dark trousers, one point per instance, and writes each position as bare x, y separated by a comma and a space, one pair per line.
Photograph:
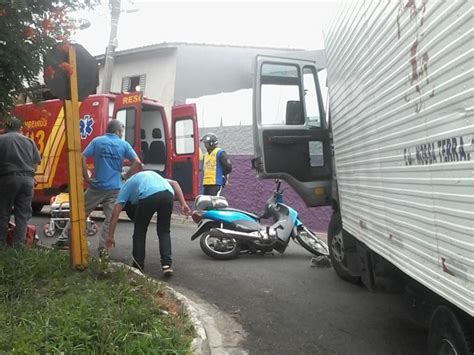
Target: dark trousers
162, 203
16, 191
211, 190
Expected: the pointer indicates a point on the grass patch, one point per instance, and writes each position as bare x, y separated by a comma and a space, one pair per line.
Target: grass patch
45, 307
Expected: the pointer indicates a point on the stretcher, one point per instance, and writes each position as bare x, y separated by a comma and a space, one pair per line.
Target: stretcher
59, 223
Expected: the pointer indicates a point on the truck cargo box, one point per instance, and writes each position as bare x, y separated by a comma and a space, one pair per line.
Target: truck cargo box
401, 87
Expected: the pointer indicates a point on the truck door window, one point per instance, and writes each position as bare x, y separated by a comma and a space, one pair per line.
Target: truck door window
280, 95
184, 140
311, 98
127, 117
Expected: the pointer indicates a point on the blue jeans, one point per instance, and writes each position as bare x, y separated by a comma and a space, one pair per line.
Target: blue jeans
162, 203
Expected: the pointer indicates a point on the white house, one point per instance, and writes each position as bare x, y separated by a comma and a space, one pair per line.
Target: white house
218, 78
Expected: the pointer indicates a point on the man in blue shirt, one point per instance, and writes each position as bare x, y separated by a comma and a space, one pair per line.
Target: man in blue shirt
108, 152
146, 193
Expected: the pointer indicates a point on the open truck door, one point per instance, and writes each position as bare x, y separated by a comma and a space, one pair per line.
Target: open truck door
127, 109
291, 135
185, 148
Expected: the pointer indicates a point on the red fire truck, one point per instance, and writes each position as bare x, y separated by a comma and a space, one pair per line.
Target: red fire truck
171, 150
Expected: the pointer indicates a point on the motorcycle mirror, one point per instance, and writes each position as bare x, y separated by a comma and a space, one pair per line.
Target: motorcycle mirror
278, 183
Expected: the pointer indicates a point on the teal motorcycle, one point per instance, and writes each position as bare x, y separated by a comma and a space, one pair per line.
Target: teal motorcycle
226, 232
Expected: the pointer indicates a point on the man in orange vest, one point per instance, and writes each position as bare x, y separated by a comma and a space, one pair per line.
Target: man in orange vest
217, 166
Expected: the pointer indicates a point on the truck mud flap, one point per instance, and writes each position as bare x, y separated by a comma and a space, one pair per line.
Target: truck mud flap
366, 266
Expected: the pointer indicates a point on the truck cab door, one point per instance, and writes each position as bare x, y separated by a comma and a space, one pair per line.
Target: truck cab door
127, 109
291, 135
185, 149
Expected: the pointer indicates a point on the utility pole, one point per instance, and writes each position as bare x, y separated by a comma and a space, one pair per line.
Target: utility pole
110, 51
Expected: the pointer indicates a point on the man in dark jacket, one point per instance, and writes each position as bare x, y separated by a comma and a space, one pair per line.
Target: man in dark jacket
19, 158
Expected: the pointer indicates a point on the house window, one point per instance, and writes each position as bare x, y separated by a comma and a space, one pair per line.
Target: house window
134, 83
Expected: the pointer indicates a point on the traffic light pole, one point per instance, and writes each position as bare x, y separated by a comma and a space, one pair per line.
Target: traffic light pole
77, 239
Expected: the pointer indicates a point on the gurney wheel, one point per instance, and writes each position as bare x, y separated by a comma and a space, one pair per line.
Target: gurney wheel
92, 229
47, 231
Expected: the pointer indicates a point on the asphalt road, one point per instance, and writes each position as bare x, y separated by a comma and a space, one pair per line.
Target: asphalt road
285, 305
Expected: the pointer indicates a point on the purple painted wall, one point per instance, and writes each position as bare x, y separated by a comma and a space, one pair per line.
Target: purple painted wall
248, 193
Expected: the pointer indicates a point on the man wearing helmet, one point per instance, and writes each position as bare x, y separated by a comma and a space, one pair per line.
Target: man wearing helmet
217, 166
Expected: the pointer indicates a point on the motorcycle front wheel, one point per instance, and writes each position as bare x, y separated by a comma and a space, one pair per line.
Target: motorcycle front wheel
219, 248
311, 242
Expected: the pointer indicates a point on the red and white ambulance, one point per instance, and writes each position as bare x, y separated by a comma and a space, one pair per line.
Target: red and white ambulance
170, 148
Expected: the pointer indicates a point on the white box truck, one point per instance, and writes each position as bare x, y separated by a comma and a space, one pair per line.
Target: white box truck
395, 157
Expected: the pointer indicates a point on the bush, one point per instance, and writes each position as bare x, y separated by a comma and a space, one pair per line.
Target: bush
30, 29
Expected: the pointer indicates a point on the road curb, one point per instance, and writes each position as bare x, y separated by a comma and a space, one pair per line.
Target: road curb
200, 344
226, 336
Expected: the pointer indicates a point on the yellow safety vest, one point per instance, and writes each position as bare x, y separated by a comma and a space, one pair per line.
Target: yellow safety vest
212, 168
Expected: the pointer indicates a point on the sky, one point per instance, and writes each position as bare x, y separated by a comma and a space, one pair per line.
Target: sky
280, 24
264, 23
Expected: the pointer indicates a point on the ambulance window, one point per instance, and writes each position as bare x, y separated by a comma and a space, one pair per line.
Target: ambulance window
111, 109
184, 140
127, 117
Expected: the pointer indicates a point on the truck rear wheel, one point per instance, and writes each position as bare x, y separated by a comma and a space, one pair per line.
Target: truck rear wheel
336, 249
449, 334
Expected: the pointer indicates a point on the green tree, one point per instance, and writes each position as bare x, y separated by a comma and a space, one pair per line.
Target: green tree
28, 30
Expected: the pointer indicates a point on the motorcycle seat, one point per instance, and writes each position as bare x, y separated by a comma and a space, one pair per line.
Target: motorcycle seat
205, 202
250, 214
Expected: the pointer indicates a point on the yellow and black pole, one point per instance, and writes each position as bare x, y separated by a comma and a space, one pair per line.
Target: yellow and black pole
77, 239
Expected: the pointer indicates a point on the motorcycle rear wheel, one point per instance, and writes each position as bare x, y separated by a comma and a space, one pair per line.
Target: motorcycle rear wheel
210, 244
311, 242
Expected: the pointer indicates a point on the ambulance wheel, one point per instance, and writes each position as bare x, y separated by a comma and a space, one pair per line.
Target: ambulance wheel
92, 229
62, 224
47, 231
37, 207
